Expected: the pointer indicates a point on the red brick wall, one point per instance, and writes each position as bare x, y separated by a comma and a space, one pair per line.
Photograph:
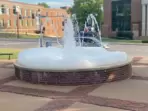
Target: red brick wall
31, 27
106, 28
136, 17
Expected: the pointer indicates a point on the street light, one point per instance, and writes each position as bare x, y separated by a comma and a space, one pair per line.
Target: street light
17, 11
40, 27
37, 16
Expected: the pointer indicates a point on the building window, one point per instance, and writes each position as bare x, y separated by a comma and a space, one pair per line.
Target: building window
15, 23
27, 23
20, 11
31, 12
8, 23
25, 13
121, 15
1, 23
21, 22
3, 9
14, 10
8, 11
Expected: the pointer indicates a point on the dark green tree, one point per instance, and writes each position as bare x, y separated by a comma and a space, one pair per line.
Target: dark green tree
44, 4
84, 7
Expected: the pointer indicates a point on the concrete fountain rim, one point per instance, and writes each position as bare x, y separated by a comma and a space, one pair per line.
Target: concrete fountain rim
104, 67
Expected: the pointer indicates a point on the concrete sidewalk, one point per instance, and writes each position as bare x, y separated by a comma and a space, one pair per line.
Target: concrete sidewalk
126, 95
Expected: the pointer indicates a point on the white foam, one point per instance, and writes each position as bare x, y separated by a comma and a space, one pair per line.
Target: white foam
70, 57
78, 58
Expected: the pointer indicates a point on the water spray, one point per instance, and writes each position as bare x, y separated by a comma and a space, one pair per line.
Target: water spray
91, 20
76, 27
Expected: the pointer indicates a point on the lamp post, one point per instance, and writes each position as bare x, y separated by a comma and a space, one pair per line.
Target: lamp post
40, 27
17, 9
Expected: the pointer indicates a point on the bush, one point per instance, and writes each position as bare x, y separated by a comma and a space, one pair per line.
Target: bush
125, 35
144, 41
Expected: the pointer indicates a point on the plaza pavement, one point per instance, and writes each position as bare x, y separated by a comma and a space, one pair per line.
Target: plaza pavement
126, 95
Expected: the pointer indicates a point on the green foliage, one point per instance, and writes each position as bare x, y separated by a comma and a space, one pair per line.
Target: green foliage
144, 41
125, 35
69, 11
43, 4
84, 7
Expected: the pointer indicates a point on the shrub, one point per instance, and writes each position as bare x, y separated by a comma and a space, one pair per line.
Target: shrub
125, 35
144, 41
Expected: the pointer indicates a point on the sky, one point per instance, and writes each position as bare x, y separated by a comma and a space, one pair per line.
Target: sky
52, 3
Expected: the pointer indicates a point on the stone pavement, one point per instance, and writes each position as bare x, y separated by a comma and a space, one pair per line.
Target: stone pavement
126, 95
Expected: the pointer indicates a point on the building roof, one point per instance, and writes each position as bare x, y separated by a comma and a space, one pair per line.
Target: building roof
21, 3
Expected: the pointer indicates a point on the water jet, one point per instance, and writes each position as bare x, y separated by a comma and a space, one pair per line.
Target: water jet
72, 65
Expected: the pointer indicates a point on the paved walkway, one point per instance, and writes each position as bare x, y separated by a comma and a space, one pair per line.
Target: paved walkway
127, 95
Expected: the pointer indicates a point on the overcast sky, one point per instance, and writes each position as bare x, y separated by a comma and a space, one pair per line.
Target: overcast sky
52, 3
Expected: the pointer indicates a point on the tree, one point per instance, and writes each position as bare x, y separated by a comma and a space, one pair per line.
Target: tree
43, 4
69, 10
84, 7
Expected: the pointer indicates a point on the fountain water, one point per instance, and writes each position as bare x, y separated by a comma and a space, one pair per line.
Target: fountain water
69, 41
71, 64
92, 22
76, 28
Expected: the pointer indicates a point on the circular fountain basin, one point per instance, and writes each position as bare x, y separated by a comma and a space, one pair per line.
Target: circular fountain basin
79, 65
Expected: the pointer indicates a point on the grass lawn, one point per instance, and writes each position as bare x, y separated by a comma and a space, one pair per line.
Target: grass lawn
13, 35
119, 40
29, 36
9, 50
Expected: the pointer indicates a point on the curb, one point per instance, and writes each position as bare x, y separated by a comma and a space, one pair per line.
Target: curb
117, 43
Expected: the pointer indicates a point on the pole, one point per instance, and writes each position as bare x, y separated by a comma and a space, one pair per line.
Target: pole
41, 34
40, 31
17, 25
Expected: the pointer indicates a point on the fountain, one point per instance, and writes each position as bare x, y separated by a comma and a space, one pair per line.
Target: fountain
71, 65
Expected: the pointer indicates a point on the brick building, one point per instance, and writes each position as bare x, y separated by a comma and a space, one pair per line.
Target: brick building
9, 20
122, 15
